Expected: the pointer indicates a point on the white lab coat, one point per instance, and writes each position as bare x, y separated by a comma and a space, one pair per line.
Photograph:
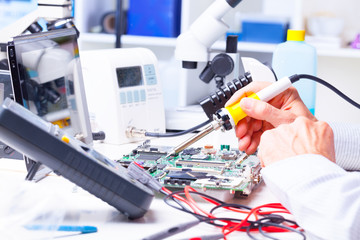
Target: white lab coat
323, 197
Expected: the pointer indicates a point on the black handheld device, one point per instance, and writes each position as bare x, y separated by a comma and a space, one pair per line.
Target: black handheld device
80, 163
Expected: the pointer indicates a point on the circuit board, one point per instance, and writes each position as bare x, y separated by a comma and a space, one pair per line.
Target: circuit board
201, 168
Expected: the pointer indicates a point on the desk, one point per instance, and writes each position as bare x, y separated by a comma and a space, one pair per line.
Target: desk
82, 208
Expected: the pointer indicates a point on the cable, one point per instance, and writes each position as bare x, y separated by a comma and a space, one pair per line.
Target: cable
296, 77
266, 221
152, 134
278, 226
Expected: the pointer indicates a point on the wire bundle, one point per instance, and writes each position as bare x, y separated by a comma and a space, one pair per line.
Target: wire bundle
268, 218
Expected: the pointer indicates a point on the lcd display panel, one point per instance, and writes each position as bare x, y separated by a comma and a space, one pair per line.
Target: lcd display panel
129, 76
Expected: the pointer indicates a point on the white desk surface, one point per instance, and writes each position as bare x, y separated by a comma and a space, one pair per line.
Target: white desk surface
82, 208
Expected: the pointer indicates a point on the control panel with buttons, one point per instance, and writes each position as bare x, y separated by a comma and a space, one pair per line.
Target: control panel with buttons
123, 89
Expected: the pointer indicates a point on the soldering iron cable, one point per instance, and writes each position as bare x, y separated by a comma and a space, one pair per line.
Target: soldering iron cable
269, 93
297, 77
175, 134
276, 88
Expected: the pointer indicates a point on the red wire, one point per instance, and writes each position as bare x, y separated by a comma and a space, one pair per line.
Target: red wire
181, 199
254, 210
137, 164
192, 201
232, 226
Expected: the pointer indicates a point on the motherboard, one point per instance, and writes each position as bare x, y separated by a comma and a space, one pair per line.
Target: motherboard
202, 168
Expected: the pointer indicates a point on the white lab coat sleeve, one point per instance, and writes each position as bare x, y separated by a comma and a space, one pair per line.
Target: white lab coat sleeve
347, 145
323, 197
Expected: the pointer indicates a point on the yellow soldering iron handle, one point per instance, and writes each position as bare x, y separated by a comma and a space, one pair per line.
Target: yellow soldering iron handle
236, 112
264, 95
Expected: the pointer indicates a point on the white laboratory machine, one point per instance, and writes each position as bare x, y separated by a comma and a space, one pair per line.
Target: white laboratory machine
123, 90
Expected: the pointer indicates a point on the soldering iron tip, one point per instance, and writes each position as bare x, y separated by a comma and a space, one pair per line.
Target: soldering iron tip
170, 153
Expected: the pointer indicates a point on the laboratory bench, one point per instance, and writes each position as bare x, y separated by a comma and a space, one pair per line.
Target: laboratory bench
60, 201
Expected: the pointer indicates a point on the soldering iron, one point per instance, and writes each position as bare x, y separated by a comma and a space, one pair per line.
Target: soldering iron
226, 118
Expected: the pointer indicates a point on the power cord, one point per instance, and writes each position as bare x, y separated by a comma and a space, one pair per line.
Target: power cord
133, 132
297, 77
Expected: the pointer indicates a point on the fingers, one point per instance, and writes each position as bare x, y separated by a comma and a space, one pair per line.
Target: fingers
244, 143
242, 127
249, 132
246, 91
254, 143
250, 143
264, 111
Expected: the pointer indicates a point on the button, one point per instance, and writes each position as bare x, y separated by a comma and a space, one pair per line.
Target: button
149, 69
122, 98
129, 97
65, 138
151, 80
136, 96
142, 95
11, 52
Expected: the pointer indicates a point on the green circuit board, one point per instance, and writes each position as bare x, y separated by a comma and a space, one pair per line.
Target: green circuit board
202, 168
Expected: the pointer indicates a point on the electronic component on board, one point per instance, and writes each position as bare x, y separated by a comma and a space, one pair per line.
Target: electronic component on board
201, 168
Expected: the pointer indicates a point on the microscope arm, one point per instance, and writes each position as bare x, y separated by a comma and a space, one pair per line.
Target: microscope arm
193, 45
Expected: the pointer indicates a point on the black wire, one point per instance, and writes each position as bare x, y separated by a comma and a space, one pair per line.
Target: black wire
202, 218
266, 224
182, 192
274, 218
328, 85
265, 234
259, 224
252, 226
152, 134
233, 205
183, 206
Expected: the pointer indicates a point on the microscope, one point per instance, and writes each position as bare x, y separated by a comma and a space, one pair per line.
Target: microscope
228, 69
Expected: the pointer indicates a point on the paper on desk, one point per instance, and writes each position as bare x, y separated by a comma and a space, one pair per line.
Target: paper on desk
27, 203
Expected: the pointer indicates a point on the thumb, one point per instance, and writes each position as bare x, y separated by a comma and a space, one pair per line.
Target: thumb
264, 111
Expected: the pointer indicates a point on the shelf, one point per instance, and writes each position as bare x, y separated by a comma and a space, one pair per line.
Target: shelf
341, 52
128, 39
247, 46
219, 45
169, 42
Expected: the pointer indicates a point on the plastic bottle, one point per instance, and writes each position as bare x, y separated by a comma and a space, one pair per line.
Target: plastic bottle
295, 56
